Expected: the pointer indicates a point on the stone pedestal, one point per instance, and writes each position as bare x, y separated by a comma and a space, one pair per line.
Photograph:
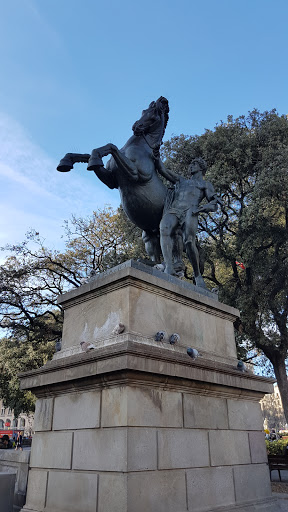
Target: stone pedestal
137, 426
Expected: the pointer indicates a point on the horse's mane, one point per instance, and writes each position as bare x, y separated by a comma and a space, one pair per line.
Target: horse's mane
163, 104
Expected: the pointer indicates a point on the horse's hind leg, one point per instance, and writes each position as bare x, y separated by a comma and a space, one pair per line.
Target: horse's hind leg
152, 245
66, 164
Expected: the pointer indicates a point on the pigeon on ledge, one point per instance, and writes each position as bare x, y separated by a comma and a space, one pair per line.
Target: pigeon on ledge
174, 338
118, 329
87, 346
241, 367
160, 336
193, 353
58, 345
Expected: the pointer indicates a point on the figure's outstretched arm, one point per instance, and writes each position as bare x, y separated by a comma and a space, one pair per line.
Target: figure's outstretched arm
166, 173
212, 198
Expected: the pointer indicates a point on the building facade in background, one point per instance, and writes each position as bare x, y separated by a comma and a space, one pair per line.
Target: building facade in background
9, 422
272, 410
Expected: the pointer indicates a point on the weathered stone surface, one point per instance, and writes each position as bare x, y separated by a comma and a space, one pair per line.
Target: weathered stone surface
244, 415
43, 414
257, 447
71, 492
94, 319
205, 412
52, 450
163, 491
112, 492
141, 407
77, 411
36, 491
12, 456
228, 448
180, 448
16, 462
138, 299
208, 488
252, 482
100, 450
142, 449
7, 485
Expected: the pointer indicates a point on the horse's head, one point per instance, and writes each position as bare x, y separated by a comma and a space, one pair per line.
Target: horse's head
153, 121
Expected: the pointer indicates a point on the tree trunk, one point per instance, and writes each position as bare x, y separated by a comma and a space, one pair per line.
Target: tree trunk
278, 362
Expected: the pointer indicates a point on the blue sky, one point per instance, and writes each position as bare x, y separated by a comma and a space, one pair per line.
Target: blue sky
76, 74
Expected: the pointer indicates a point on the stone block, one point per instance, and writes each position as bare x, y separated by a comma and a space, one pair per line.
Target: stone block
205, 412
142, 449
36, 491
71, 492
7, 486
210, 487
252, 482
141, 407
161, 491
257, 447
112, 494
43, 414
182, 448
114, 407
52, 450
244, 415
77, 411
228, 448
100, 450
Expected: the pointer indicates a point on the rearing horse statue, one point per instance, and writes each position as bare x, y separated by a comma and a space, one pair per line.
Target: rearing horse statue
133, 170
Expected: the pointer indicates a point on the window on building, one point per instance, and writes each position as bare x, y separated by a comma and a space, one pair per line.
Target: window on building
14, 423
2, 411
1, 424
22, 422
8, 423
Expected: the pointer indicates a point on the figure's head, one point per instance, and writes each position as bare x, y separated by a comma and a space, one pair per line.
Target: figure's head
154, 119
198, 164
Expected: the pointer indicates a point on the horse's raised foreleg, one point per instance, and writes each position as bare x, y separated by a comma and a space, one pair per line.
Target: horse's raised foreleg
124, 163
66, 164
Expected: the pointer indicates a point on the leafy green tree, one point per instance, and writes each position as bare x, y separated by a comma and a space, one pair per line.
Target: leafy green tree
33, 276
248, 165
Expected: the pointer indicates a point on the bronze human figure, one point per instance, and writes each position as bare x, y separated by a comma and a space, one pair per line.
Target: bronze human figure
132, 170
181, 213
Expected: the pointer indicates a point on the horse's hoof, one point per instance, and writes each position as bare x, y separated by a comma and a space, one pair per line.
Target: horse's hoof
95, 161
65, 165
